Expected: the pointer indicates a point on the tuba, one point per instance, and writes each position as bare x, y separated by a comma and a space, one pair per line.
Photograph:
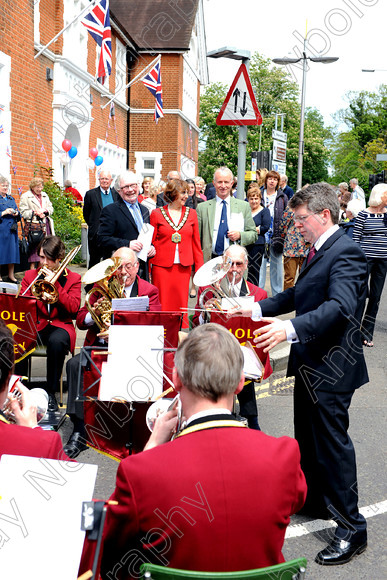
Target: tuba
106, 282
44, 288
210, 274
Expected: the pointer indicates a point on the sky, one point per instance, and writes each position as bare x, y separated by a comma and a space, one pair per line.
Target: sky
353, 30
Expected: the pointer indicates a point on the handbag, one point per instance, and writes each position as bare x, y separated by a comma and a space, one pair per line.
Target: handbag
35, 232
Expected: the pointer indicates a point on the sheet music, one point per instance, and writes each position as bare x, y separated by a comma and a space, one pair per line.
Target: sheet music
43, 500
131, 304
145, 237
252, 366
134, 369
241, 301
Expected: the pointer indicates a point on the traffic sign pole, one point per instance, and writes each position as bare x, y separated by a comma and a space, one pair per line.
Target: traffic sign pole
242, 146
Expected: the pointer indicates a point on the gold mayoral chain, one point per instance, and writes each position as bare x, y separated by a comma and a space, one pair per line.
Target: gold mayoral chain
176, 237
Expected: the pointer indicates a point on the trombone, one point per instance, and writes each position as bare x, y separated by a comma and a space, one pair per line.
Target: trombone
44, 288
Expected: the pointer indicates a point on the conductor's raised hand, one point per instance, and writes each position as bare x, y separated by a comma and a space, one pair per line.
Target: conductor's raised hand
268, 336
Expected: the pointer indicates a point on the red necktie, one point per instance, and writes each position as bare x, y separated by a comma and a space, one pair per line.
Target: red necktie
312, 252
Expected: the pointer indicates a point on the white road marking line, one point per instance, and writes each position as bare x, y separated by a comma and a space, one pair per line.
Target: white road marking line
298, 530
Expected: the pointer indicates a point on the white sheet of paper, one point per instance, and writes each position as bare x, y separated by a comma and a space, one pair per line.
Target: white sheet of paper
236, 222
252, 366
40, 516
241, 301
145, 237
134, 369
131, 304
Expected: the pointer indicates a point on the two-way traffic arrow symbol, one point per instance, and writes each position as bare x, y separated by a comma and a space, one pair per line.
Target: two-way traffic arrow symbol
236, 94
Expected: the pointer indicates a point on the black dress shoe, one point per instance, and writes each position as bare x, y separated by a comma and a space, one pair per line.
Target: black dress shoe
52, 403
339, 552
75, 445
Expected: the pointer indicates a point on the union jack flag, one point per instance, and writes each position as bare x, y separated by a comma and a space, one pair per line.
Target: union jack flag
97, 22
152, 81
9, 152
1, 129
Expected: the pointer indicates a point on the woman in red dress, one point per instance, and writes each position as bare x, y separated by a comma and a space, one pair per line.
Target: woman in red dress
177, 242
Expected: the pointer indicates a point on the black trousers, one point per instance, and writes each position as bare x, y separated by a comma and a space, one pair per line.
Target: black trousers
57, 342
377, 269
328, 457
73, 367
247, 400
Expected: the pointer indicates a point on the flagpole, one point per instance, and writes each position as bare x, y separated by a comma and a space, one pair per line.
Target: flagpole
86, 9
155, 61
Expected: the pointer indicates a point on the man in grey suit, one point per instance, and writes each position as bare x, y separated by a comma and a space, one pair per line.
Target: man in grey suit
224, 219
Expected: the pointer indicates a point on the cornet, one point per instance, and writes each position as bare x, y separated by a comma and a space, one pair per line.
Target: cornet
162, 406
39, 399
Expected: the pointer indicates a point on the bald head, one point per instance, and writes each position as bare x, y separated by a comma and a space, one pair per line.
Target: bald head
238, 255
129, 264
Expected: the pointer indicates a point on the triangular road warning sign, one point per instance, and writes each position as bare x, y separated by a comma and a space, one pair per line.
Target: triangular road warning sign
240, 106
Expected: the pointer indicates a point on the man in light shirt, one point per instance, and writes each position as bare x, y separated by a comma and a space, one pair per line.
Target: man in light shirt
224, 220
327, 361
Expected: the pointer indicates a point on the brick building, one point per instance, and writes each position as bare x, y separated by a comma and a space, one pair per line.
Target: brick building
56, 96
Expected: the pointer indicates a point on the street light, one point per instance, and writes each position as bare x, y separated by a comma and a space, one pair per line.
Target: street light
244, 56
304, 58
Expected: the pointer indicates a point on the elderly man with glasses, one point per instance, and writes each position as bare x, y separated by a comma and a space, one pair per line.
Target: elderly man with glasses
234, 285
134, 286
121, 222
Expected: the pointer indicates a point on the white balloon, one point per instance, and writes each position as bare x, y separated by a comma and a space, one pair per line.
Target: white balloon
64, 159
90, 164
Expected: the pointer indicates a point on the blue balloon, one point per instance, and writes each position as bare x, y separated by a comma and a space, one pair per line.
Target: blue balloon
98, 160
72, 152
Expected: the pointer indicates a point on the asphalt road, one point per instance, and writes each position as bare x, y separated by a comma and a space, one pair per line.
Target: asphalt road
367, 429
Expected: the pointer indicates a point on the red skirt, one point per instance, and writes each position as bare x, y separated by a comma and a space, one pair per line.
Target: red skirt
173, 285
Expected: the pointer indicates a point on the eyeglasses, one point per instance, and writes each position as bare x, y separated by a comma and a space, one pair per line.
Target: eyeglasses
303, 218
129, 186
128, 266
236, 264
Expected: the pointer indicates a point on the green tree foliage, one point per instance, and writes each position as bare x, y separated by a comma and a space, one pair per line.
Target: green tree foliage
275, 92
353, 152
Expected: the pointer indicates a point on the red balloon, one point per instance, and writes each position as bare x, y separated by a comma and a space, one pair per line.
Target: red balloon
66, 145
93, 152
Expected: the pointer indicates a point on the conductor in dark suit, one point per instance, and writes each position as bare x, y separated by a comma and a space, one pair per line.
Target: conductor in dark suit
122, 221
327, 361
95, 200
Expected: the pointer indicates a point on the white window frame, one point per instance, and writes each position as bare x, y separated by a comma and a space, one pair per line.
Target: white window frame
139, 168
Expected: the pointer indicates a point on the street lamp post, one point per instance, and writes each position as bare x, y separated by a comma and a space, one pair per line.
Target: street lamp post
244, 56
304, 58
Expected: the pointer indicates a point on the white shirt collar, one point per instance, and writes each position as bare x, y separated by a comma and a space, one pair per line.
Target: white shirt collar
208, 413
323, 238
219, 200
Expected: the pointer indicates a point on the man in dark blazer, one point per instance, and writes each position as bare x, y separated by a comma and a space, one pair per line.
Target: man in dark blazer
187, 503
95, 200
122, 221
327, 361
